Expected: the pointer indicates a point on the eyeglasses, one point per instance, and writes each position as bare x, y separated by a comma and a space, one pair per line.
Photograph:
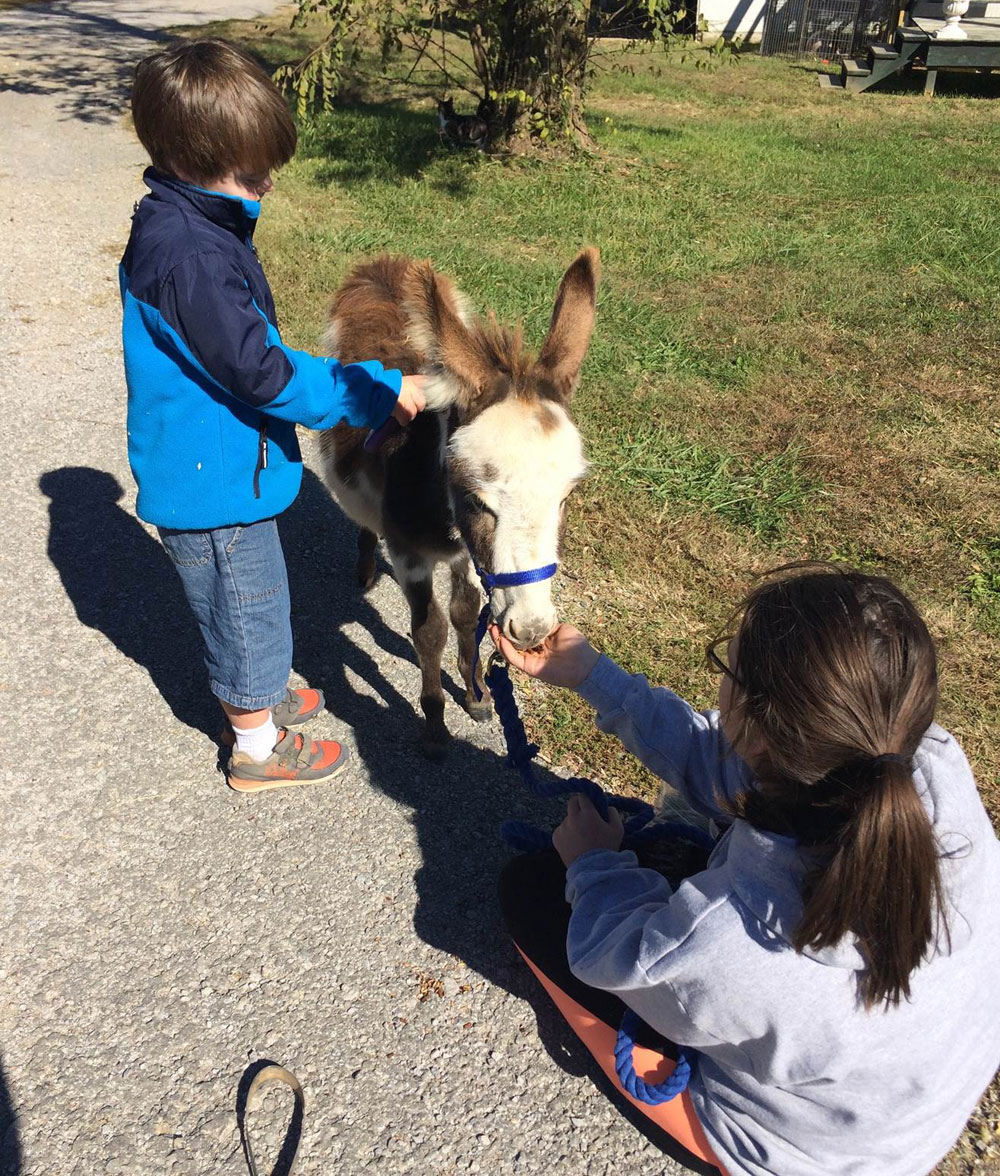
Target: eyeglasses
716, 663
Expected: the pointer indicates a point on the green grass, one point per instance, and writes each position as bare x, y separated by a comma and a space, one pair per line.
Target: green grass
795, 356
758, 494
796, 344
982, 586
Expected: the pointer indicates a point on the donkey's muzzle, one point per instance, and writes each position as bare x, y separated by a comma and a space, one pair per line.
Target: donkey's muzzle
526, 633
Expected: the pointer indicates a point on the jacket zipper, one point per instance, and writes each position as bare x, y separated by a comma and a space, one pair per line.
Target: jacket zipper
262, 435
261, 458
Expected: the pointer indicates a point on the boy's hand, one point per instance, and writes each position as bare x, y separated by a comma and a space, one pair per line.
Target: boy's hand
411, 399
564, 658
584, 829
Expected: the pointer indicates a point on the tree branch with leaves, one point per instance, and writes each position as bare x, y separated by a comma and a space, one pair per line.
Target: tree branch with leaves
528, 62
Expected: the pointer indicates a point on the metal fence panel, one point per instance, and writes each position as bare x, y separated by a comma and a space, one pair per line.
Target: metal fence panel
826, 28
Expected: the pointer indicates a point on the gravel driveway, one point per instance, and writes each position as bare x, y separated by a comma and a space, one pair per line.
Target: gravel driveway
161, 933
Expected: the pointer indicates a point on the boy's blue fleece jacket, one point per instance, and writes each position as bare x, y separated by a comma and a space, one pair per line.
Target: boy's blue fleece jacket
213, 393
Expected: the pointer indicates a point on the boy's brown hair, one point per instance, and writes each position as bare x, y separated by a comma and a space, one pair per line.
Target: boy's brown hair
836, 673
204, 110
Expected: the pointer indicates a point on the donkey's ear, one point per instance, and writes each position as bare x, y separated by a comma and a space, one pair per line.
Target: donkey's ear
572, 324
437, 314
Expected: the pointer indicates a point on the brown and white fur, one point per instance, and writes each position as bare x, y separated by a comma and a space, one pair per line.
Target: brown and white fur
487, 467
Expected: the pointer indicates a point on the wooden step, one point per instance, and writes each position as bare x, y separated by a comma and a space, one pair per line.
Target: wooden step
829, 82
854, 69
883, 61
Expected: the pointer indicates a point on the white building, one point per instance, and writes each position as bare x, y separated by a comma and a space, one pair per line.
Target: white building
732, 18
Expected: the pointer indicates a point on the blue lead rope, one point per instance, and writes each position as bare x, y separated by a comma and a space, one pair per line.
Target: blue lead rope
522, 836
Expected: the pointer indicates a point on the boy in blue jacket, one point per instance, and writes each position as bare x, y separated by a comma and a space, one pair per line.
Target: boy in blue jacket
214, 395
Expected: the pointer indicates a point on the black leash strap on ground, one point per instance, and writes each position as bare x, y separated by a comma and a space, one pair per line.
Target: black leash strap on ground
293, 1135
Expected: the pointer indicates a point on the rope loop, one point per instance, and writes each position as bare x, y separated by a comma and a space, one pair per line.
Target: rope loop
270, 1072
653, 1094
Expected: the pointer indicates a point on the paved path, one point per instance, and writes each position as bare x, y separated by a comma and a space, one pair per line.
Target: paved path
158, 932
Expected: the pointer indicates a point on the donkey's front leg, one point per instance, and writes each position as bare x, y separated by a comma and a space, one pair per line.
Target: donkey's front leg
430, 631
367, 542
466, 601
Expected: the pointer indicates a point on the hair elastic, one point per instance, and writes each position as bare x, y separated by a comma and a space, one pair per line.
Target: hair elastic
890, 758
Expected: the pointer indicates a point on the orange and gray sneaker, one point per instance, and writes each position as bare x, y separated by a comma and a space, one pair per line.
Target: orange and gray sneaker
296, 708
295, 760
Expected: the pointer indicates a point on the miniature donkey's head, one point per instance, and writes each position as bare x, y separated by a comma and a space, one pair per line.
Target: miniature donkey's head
514, 455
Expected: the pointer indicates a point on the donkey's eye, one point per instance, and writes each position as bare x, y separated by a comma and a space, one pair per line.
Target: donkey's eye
477, 504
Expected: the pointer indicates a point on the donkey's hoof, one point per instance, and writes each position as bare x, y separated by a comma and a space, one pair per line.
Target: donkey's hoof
434, 745
366, 575
481, 710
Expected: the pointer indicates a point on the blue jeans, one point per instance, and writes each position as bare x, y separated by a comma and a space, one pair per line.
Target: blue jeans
236, 583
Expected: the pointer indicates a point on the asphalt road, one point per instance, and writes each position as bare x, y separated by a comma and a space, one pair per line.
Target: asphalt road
159, 932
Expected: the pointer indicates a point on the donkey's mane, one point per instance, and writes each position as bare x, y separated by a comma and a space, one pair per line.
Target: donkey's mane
376, 315
505, 347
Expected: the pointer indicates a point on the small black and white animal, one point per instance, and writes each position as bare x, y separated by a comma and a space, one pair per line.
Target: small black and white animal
465, 130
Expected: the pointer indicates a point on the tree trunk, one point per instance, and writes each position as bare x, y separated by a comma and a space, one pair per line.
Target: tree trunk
539, 48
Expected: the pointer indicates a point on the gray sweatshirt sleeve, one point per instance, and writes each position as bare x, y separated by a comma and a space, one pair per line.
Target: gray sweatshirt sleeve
627, 935
682, 746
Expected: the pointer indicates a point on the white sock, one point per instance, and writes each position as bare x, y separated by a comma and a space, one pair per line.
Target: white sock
257, 742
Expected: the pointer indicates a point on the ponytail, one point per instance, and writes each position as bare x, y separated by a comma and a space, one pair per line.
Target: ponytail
832, 666
881, 880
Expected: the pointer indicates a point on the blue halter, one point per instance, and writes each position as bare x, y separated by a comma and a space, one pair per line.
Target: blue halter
491, 580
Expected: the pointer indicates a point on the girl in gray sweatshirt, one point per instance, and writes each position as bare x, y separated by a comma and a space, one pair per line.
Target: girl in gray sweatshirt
834, 972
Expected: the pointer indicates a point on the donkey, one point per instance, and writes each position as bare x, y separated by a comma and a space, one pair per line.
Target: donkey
486, 470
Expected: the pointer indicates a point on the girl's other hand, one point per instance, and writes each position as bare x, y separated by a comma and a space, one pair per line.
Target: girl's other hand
584, 829
564, 658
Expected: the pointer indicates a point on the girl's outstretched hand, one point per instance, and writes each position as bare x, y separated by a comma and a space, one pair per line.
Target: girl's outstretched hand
564, 658
584, 829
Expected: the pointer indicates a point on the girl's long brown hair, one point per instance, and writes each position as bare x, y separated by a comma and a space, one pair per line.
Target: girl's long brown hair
834, 670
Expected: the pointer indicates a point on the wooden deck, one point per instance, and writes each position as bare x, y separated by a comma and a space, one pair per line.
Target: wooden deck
981, 24
916, 45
